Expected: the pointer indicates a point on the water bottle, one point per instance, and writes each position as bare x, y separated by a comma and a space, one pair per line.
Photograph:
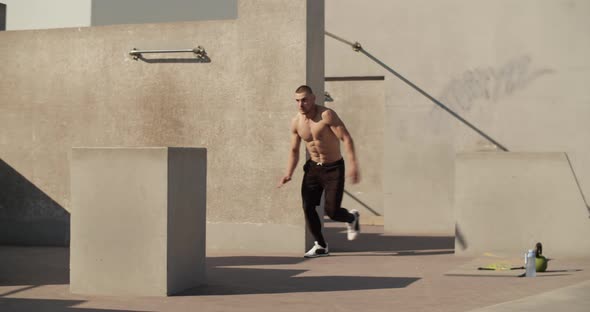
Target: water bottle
529, 263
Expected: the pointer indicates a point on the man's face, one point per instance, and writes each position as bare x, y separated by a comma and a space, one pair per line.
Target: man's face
305, 102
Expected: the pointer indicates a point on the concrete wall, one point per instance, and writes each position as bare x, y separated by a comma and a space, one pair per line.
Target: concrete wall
507, 202
359, 103
498, 63
41, 14
79, 87
28, 216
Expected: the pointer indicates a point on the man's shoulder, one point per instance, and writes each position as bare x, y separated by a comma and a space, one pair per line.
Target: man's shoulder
327, 113
294, 122
325, 110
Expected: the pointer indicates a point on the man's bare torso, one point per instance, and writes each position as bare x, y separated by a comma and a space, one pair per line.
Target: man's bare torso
321, 142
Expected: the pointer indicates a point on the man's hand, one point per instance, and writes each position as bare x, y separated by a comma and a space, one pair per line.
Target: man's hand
284, 180
354, 174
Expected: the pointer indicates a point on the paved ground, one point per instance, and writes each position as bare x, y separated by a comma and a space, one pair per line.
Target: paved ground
375, 273
571, 299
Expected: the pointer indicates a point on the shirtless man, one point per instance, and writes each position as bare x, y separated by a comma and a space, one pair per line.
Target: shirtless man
322, 131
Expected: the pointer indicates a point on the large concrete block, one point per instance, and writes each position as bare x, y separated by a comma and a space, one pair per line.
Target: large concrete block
137, 220
506, 202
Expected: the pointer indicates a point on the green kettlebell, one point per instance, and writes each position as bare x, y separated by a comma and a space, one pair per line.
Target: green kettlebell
540, 260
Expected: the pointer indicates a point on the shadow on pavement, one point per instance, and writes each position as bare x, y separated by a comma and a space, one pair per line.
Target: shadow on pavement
396, 245
223, 279
35, 266
213, 262
244, 281
39, 305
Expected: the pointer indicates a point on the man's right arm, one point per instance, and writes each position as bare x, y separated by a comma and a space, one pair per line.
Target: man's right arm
294, 154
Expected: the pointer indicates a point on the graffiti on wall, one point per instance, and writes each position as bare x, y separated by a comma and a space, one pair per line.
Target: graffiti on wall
491, 84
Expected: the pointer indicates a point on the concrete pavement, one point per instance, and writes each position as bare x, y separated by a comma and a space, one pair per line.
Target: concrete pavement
375, 273
574, 298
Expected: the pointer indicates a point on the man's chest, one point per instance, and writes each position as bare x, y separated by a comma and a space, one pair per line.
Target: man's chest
310, 131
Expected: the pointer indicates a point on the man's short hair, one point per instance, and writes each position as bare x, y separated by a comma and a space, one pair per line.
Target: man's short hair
304, 88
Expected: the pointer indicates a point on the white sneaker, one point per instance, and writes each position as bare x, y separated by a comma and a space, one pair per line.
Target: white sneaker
354, 227
317, 251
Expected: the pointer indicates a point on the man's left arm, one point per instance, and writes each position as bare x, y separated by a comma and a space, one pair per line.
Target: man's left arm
339, 129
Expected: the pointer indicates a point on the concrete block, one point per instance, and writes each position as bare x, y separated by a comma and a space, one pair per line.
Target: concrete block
138, 220
506, 202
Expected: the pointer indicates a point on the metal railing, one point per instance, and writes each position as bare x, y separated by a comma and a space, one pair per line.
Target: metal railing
358, 48
198, 51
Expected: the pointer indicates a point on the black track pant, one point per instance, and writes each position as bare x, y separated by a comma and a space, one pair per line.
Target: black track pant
320, 177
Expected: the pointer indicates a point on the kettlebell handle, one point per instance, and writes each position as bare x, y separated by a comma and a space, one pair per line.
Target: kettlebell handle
539, 249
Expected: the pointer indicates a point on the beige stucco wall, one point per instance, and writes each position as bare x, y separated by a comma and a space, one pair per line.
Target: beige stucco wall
500, 64
360, 106
79, 87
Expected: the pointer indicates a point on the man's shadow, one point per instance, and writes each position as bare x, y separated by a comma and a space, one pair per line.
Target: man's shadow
227, 276
235, 275
373, 242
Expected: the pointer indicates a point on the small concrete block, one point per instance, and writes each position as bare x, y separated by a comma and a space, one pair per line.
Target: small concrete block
507, 202
138, 219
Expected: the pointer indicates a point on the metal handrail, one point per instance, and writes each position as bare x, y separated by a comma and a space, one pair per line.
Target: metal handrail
358, 48
199, 51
